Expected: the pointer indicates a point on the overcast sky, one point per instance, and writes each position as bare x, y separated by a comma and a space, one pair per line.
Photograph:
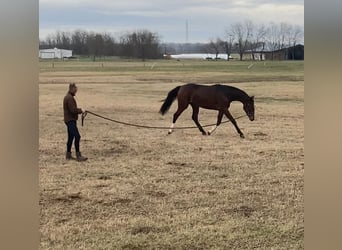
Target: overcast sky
207, 19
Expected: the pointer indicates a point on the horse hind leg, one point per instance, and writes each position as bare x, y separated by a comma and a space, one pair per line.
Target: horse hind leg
181, 108
171, 128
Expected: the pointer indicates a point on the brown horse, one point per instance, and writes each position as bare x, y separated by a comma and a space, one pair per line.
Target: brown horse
216, 97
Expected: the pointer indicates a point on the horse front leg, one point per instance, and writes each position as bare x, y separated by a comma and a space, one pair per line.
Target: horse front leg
219, 119
195, 111
231, 118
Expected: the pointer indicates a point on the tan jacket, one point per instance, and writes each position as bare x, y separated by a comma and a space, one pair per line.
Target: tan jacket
70, 108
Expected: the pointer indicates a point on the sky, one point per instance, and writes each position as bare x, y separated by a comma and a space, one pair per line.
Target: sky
207, 19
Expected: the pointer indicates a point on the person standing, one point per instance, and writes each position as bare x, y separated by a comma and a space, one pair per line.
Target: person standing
71, 113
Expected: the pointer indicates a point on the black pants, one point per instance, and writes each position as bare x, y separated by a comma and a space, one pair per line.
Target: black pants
73, 133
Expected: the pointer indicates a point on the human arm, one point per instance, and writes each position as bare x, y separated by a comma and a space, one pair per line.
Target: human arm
72, 106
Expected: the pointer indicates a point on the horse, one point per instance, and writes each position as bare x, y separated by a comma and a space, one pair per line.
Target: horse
215, 97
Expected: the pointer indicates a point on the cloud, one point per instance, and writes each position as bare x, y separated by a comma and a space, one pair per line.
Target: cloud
206, 17
161, 6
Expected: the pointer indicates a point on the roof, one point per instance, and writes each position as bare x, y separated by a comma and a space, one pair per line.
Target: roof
53, 50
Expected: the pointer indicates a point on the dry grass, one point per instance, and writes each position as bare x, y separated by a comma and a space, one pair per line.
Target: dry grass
143, 189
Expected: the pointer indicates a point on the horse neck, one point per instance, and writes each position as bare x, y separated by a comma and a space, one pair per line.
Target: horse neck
240, 96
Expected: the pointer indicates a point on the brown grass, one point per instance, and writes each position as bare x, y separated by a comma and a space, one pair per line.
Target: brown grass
143, 189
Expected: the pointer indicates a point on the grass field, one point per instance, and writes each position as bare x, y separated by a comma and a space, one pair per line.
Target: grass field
144, 189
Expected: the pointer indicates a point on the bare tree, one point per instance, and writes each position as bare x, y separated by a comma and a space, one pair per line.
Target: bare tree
283, 37
141, 44
50, 41
273, 38
258, 39
242, 33
108, 45
228, 44
58, 39
95, 45
65, 40
215, 46
79, 42
295, 35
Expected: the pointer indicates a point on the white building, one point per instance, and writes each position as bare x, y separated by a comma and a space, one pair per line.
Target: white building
54, 53
198, 56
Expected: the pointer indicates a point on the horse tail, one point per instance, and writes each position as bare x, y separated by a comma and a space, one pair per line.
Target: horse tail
171, 96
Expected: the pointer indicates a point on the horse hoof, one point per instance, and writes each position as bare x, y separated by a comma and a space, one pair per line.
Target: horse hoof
204, 133
208, 133
169, 133
242, 136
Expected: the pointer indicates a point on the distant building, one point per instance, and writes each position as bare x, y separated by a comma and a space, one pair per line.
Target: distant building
256, 56
290, 53
204, 56
55, 53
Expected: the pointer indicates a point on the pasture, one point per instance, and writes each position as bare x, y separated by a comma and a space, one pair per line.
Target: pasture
144, 189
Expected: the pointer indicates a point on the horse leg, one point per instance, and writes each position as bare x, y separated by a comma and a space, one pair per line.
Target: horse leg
195, 110
181, 108
219, 119
231, 118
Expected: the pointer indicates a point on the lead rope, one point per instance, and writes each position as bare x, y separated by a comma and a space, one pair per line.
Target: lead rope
84, 114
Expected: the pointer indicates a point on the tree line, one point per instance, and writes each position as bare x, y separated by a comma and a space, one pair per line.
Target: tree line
240, 38
141, 44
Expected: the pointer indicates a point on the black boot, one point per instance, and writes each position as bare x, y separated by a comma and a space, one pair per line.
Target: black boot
79, 157
68, 156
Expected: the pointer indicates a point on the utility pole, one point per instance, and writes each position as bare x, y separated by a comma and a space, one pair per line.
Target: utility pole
186, 31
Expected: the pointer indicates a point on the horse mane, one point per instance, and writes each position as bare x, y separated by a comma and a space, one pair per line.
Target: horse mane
234, 93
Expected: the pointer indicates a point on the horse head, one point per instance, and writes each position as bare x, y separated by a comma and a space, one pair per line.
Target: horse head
248, 107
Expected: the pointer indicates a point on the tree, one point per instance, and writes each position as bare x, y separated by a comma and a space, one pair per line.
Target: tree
295, 34
241, 33
228, 45
108, 45
50, 43
141, 44
273, 38
79, 42
258, 39
65, 40
95, 45
215, 46
283, 37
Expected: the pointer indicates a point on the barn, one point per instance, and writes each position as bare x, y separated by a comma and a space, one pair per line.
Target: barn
55, 53
290, 53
